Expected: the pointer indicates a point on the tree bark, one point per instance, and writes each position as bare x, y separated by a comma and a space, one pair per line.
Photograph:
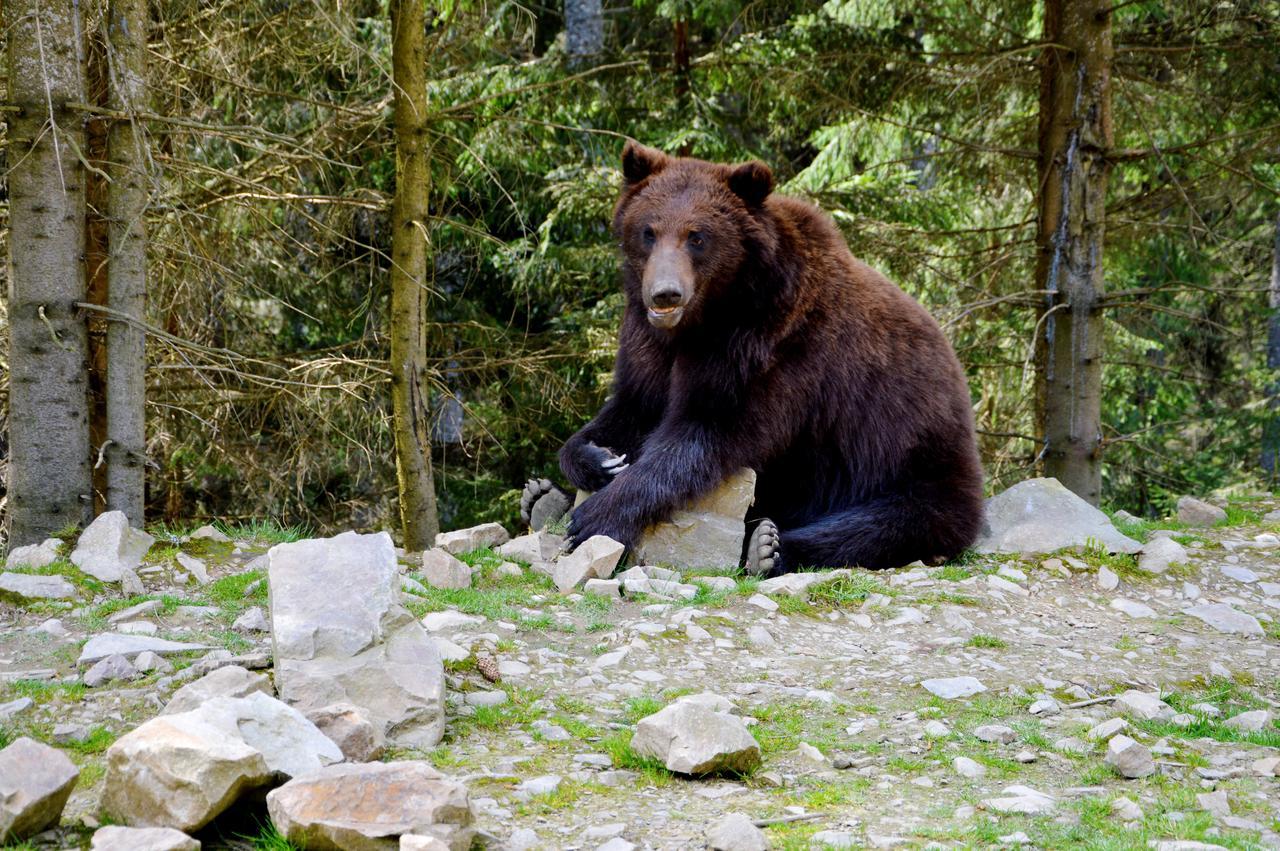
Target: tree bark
1271, 430
408, 278
96, 252
127, 267
1075, 138
49, 471
583, 30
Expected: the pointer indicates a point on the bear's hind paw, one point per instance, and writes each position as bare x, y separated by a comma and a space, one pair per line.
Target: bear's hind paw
764, 552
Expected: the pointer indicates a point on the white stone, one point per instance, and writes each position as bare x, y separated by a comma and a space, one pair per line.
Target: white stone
950, 688
195, 567
1107, 579
211, 533
1132, 608
998, 733
347, 727
966, 767
1126, 809
1146, 706
1022, 800
798, 584
38, 555
597, 556
228, 681
736, 832
111, 669
534, 547
117, 838
1250, 722
1159, 554
1110, 727
35, 782
610, 588
441, 570
760, 601
1129, 758
707, 533
251, 621
1239, 574
108, 548
1042, 516
449, 620
691, 739
112, 643
23, 588
474, 538
1224, 618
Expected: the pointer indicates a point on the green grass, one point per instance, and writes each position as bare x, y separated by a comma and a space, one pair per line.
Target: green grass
596, 611
948, 598
98, 740
848, 591
67, 570
617, 746
7, 736
42, 691
991, 641
1237, 516
640, 707
498, 601
954, 572
518, 710
782, 726
269, 838
227, 592
265, 531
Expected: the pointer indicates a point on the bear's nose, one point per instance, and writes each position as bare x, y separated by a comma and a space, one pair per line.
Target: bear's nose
667, 296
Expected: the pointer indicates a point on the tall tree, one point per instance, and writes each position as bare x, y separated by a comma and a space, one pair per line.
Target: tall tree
409, 291
127, 263
49, 472
1271, 430
1075, 138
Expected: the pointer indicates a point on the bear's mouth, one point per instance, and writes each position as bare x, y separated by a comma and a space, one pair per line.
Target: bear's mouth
665, 317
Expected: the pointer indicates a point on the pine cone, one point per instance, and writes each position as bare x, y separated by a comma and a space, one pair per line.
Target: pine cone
488, 668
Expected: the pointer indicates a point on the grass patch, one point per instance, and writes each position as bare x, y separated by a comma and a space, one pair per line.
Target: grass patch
618, 747
949, 598
518, 710
499, 602
42, 691
268, 838
848, 591
782, 726
954, 572
991, 641
573, 705
227, 592
640, 707
265, 531
98, 740
595, 610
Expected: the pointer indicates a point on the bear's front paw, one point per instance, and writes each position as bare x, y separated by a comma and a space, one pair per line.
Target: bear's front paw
597, 517
592, 467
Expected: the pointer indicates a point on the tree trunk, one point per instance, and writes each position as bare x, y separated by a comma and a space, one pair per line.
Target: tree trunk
408, 278
1271, 431
1075, 137
583, 30
127, 269
49, 472
96, 252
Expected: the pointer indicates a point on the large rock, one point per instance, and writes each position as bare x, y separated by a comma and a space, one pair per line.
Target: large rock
1129, 758
466, 540
109, 549
597, 557
25, 588
1197, 512
692, 739
1224, 618
1159, 554
360, 646
366, 807
534, 547
798, 584
231, 681
707, 533
35, 782
442, 570
112, 643
225, 747
116, 838
1042, 516
38, 555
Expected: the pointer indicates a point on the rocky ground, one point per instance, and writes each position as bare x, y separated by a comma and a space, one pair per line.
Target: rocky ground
996, 701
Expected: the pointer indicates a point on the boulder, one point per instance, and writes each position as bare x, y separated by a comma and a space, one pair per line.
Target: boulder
536, 546
1250, 722
111, 643
1197, 512
1042, 516
231, 681
466, 540
38, 555
692, 739
367, 806
1159, 554
595, 557
361, 646
110, 669
736, 832
798, 584
1224, 618
1129, 759
442, 570
1146, 706
109, 549
23, 588
346, 726
707, 533
35, 782
116, 838
252, 621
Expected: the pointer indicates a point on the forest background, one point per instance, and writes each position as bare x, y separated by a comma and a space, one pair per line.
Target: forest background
270, 178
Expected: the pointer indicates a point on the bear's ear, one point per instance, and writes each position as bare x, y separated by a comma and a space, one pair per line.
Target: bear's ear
640, 161
752, 182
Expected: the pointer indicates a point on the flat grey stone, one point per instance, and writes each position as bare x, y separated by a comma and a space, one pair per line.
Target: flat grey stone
117, 838
951, 688
112, 643
1224, 618
473, 538
1197, 512
707, 533
26, 588
1042, 516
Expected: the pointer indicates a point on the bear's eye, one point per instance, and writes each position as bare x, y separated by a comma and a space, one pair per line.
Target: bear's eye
695, 239
648, 235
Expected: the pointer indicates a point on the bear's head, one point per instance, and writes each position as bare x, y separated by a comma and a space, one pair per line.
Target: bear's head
687, 229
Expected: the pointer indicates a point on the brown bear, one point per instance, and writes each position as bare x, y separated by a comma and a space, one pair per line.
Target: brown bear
752, 337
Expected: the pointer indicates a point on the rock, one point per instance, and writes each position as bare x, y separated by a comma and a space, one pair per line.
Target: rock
195, 567
509, 568
361, 646
35, 782
23, 588
718, 584
1128, 758
1072, 744
1042, 516
1146, 706
1250, 722
1126, 809
1132, 609
183, 770
442, 570
547, 784
110, 669
112, 643
1183, 845
473, 538
1224, 618
798, 584
116, 838
610, 588
836, 839
735, 832
597, 556
253, 620
707, 533
34, 556
691, 739
210, 533
1045, 707
1159, 554
996, 733
230, 681
549, 732
412, 586
108, 548
1109, 728
1023, 800
534, 547
761, 637
369, 805
1107, 579
1215, 802
13, 707
347, 727
950, 688
760, 601
449, 651
137, 628
1239, 574
146, 607
52, 627
449, 620
969, 768
417, 842
1195, 512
